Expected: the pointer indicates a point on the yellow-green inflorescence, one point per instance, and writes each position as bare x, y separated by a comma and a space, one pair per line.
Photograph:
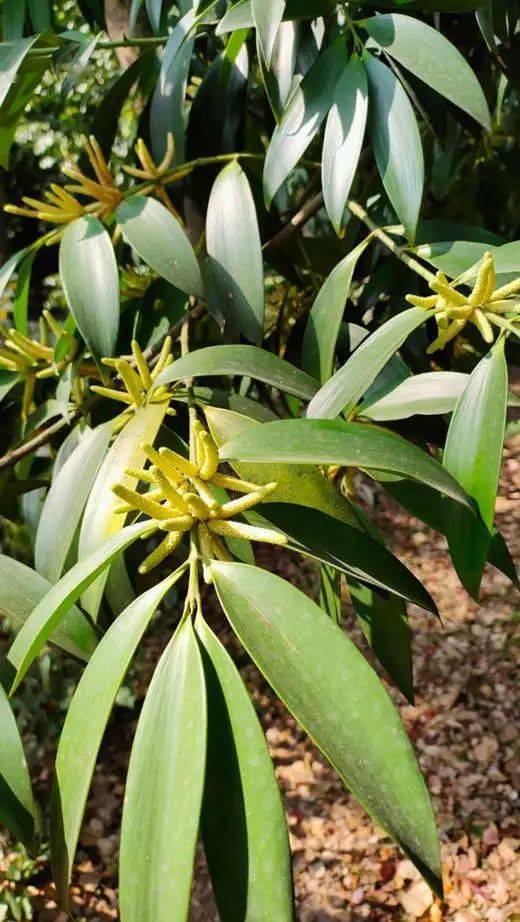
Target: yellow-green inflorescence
180, 499
485, 306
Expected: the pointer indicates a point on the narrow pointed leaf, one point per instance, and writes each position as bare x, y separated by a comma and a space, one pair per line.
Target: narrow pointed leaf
313, 441
332, 691
55, 604
65, 502
325, 316
431, 57
243, 822
396, 141
21, 590
85, 724
330, 592
17, 809
344, 133
241, 360
347, 548
233, 243
301, 120
88, 271
267, 16
164, 788
160, 241
12, 55
167, 105
425, 394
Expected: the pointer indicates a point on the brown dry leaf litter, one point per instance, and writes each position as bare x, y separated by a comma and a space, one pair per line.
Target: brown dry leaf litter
464, 726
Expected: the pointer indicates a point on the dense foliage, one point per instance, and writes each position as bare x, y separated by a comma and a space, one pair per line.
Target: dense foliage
279, 266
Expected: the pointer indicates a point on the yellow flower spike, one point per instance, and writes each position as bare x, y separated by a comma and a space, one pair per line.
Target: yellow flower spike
28, 346
112, 394
446, 336
204, 492
53, 324
142, 365
425, 302
145, 476
132, 381
163, 550
209, 453
97, 160
485, 281
28, 394
163, 358
21, 362
167, 462
506, 291
231, 529
441, 286
483, 325
228, 482
171, 494
197, 506
177, 523
181, 464
142, 502
243, 503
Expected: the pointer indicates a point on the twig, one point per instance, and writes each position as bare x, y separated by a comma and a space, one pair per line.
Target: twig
390, 244
297, 221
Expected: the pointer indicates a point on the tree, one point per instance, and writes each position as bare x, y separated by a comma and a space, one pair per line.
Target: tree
205, 383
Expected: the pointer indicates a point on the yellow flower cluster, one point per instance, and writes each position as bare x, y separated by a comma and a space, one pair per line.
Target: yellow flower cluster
152, 174
32, 359
180, 498
140, 387
485, 306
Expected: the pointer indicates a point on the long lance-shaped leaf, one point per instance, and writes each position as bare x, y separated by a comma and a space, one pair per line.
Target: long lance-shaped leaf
397, 142
240, 15
12, 55
21, 589
54, 605
344, 133
342, 392
159, 239
332, 691
243, 822
166, 108
473, 454
256, 363
267, 15
431, 57
324, 321
100, 519
304, 113
85, 725
17, 809
316, 441
88, 271
65, 502
425, 394
346, 548
164, 788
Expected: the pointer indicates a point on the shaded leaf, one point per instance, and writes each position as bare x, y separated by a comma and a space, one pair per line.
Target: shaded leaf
267, 16
17, 808
428, 393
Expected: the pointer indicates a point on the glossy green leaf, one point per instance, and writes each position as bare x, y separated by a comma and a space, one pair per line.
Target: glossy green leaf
453, 256
21, 590
40, 12
241, 360
473, 454
9, 268
27, 75
11, 56
164, 788
21, 297
85, 724
13, 20
425, 394
278, 79
243, 822
431, 57
342, 392
240, 15
17, 808
267, 16
100, 519
295, 483
332, 691
90, 279
65, 502
233, 243
344, 133
8, 379
396, 142
48, 614
313, 441
105, 122
324, 320
330, 592
78, 66
167, 105
305, 111
160, 241
346, 548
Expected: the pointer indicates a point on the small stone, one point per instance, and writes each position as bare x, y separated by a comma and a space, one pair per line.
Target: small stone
417, 899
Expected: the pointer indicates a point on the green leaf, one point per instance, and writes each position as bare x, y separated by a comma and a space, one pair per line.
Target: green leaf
453, 256
9, 268
344, 133
106, 118
65, 502
313, 441
88, 271
267, 16
473, 454
40, 12
241, 360
240, 15
342, 392
8, 379
233, 243
20, 82
160, 241
347, 549
22, 589
278, 79
425, 394
85, 724
431, 57
324, 320
167, 105
12, 55
13, 20
52, 609
305, 111
100, 519
396, 141
295, 483
332, 691
21, 297
330, 592
78, 66
243, 822
164, 788
17, 808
